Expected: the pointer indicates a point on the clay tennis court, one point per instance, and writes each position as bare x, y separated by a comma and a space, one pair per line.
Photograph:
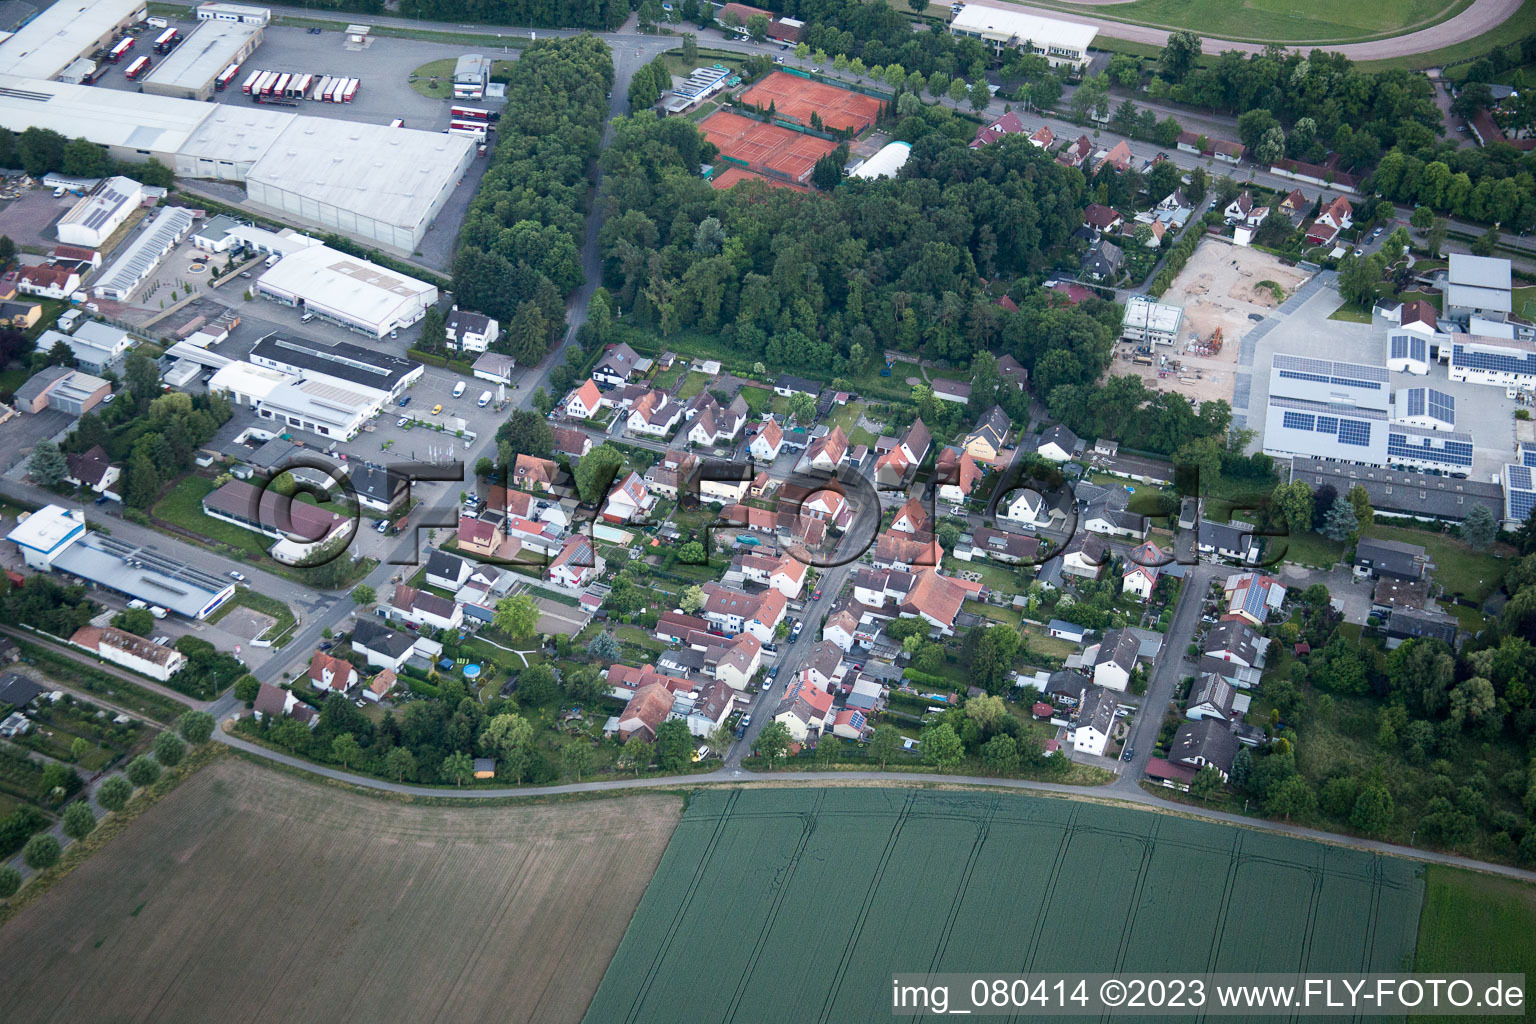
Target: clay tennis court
734, 175
765, 147
794, 98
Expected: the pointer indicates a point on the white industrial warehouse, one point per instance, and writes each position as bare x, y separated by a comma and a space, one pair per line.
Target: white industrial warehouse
347, 290
380, 185
189, 70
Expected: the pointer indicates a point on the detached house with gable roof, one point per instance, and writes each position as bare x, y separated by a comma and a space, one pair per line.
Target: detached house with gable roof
628, 500
1113, 659
804, 709
577, 564
619, 365
990, 435
1142, 570
585, 401
331, 674
765, 446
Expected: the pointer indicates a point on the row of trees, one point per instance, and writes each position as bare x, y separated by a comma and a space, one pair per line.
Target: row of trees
39, 151
519, 251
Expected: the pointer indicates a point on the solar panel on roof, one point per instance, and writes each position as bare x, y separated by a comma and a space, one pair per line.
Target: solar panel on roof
1442, 406
1355, 432
1416, 401
1519, 476
1399, 346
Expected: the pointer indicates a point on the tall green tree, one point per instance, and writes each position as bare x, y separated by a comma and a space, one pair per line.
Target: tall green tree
113, 794
773, 742
1179, 55
345, 749
1206, 783
884, 744
458, 766
942, 747
1479, 528
79, 822
42, 851
400, 763
47, 465
1341, 523
597, 471
516, 616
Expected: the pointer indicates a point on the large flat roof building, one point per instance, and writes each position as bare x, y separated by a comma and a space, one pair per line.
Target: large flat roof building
1327, 409
347, 365
347, 290
50, 42
189, 70
1477, 285
133, 126
1406, 495
369, 181
1058, 41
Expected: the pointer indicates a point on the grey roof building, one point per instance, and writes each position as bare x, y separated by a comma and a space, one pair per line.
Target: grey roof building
1421, 624
1400, 493
1208, 741
1390, 558
1477, 284
1096, 711
1210, 696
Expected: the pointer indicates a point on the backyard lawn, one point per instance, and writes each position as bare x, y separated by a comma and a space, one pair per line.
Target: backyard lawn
1458, 567
694, 384
846, 416
1310, 549
1352, 313
182, 506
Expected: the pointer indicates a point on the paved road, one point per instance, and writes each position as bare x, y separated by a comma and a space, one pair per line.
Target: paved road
739, 776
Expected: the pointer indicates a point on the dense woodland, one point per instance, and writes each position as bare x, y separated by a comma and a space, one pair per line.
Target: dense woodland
519, 252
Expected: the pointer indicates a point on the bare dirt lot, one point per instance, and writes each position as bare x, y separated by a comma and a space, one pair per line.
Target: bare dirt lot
1219, 287
249, 895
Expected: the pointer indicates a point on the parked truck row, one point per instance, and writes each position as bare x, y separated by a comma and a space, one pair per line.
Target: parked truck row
264, 86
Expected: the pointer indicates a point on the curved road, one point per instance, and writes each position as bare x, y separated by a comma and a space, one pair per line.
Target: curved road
1482, 16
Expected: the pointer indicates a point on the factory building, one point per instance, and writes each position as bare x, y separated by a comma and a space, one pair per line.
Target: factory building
347, 290
64, 32
189, 70
93, 219
1059, 42
1327, 410
1498, 362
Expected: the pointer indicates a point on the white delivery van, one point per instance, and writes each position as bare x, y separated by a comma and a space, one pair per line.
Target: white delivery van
485, 399
458, 389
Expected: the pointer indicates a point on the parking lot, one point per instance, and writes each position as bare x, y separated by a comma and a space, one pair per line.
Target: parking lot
29, 218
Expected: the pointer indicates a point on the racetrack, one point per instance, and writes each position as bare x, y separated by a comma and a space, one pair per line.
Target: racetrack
1482, 17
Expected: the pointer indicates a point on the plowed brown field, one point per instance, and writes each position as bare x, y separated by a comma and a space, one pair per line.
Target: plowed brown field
252, 896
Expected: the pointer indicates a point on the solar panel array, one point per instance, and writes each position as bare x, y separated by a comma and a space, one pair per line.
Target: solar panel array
1442, 406
1519, 493
1509, 360
1354, 432
1436, 447
1407, 346
1329, 371
1416, 401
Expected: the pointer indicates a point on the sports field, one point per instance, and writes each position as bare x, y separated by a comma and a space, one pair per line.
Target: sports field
765, 146
795, 98
797, 905
250, 895
1281, 21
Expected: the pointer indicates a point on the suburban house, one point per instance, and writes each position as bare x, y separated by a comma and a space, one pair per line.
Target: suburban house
1099, 218
379, 686
619, 365
1026, 506
331, 673
628, 500
1008, 124
788, 385
584, 402
1293, 204
1390, 559
423, 609
469, 332
1069, 631
1119, 157
851, 724
1113, 659
1142, 569
826, 452
1251, 596
1103, 261
136, 653
1243, 210
92, 470
572, 442
378, 489
784, 573
275, 702
1233, 540
824, 664
1236, 642
912, 518
1420, 624
1075, 153
1210, 696
382, 646
577, 564
900, 551
1003, 546
646, 710
710, 423
732, 611
735, 661
654, 414
58, 281
956, 475
841, 629
935, 599
989, 437
1337, 216
957, 391
669, 477
1093, 726
531, 473
804, 709
478, 537
711, 709
1209, 741
765, 446
1115, 522
1084, 555
1057, 444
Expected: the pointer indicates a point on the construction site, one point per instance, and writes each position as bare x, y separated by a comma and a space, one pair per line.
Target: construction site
1226, 291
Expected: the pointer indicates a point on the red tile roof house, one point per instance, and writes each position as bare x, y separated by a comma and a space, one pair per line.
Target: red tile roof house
1119, 158
804, 709
1008, 124
936, 599
584, 402
1100, 217
628, 500
330, 673
1335, 217
645, 712
534, 474
1074, 154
